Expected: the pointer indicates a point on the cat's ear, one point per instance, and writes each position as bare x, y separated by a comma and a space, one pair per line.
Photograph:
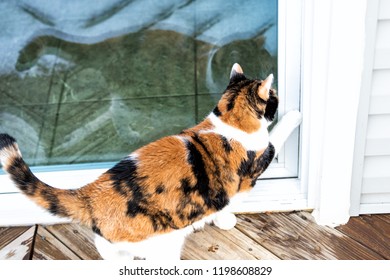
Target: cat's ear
271, 98
265, 87
268, 81
236, 69
236, 74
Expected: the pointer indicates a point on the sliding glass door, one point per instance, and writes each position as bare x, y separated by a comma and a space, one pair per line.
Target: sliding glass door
84, 84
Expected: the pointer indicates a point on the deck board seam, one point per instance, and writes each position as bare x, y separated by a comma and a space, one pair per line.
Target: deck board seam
62, 242
31, 255
258, 242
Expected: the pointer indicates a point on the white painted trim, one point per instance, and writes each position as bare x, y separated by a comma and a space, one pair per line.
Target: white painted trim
364, 106
289, 77
274, 195
332, 75
17, 210
374, 208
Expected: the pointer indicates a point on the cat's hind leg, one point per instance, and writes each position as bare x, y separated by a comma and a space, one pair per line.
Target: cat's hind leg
284, 128
225, 220
109, 251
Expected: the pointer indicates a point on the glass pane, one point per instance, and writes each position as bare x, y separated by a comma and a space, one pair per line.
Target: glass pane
84, 82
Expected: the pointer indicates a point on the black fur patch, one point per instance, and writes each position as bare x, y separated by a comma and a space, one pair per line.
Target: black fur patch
186, 186
272, 106
198, 168
196, 211
237, 77
265, 159
198, 140
217, 112
54, 204
123, 174
22, 176
162, 220
96, 229
6, 140
137, 203
220, 200
247, 165
160, 189
226, 144
202, 186
252, 167
127, 183
231, 98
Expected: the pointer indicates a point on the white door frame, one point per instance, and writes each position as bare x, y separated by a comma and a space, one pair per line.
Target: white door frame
333, 52
332, 62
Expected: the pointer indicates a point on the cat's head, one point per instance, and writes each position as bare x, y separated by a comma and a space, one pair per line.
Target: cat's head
246, 102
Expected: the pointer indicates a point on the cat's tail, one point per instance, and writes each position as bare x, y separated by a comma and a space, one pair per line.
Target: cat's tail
64, 203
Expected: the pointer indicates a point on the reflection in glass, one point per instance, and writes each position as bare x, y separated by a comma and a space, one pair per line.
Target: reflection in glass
83, 82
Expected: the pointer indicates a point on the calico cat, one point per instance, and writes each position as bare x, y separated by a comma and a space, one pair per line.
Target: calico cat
152, 199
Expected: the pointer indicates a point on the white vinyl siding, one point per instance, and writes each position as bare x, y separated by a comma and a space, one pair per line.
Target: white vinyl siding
371, 184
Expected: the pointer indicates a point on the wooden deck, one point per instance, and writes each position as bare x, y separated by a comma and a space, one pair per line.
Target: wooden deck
256, 236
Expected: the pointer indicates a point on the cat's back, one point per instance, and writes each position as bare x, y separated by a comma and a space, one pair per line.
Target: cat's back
181, 157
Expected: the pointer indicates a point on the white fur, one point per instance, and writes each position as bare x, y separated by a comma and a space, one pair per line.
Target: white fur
164, 246
268, 82
161, 247
225, 220
255, 141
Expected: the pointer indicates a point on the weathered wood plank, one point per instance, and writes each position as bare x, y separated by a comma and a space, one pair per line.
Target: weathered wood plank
47, 247
207, 245
261, 236
241, 240
371, 231
77, 238
20, 246
297, 236
7, 234
215, 244
384, 217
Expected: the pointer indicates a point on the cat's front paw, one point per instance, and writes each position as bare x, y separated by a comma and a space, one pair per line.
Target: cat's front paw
225, 220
